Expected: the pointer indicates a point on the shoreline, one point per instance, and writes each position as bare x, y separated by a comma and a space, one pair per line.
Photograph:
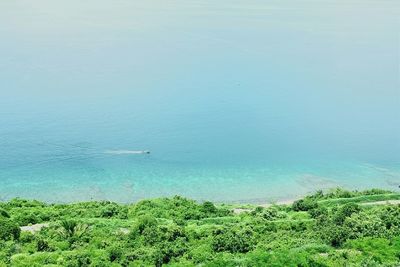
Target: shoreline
240, 204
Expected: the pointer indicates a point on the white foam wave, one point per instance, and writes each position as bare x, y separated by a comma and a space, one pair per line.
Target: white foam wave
122, 152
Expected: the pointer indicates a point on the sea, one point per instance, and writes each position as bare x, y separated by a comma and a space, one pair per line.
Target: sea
235, 101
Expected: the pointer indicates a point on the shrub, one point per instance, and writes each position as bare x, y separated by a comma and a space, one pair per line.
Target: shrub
318, 212
382, 250
109, 211
4, 213
345, 211
363, 225
208, 207
115, 253
79, 259
170, 250
17, 202
334, 235
304, 204
144, 222
270, 214
42, 245
181, 232
233, 240
72, 230
9, 230
26, 218
340, 193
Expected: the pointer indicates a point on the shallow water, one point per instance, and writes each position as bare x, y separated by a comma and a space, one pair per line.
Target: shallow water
236, 101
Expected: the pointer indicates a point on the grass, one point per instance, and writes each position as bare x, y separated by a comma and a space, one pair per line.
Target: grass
359, 199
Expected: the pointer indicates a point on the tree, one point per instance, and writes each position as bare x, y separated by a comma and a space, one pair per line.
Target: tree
72, 230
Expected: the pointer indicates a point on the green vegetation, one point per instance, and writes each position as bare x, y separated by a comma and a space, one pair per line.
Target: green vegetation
323, 229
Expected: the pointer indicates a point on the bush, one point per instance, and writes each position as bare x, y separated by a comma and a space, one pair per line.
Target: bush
176, 208
42, 245
25, 218
4, 214
208, 207
381, 250
270, 214
363, 225
334, 235
17, 202
9, 230
144, 222
109, 211
80, 259
304, 204
340, 193
233, 240
115, 253
345, 211
181, 232
318, 212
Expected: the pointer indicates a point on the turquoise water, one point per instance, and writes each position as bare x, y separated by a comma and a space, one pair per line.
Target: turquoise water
248, 101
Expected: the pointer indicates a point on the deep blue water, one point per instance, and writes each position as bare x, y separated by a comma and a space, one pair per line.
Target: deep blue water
236, 100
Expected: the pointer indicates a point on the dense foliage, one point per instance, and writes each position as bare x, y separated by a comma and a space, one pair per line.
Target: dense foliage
324, 229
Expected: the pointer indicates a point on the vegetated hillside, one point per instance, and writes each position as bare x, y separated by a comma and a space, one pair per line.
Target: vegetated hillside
324, 229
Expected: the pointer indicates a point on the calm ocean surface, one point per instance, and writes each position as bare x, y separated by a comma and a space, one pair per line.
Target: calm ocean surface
248, 101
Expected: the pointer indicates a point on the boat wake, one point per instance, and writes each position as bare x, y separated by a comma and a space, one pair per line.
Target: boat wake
124, 152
